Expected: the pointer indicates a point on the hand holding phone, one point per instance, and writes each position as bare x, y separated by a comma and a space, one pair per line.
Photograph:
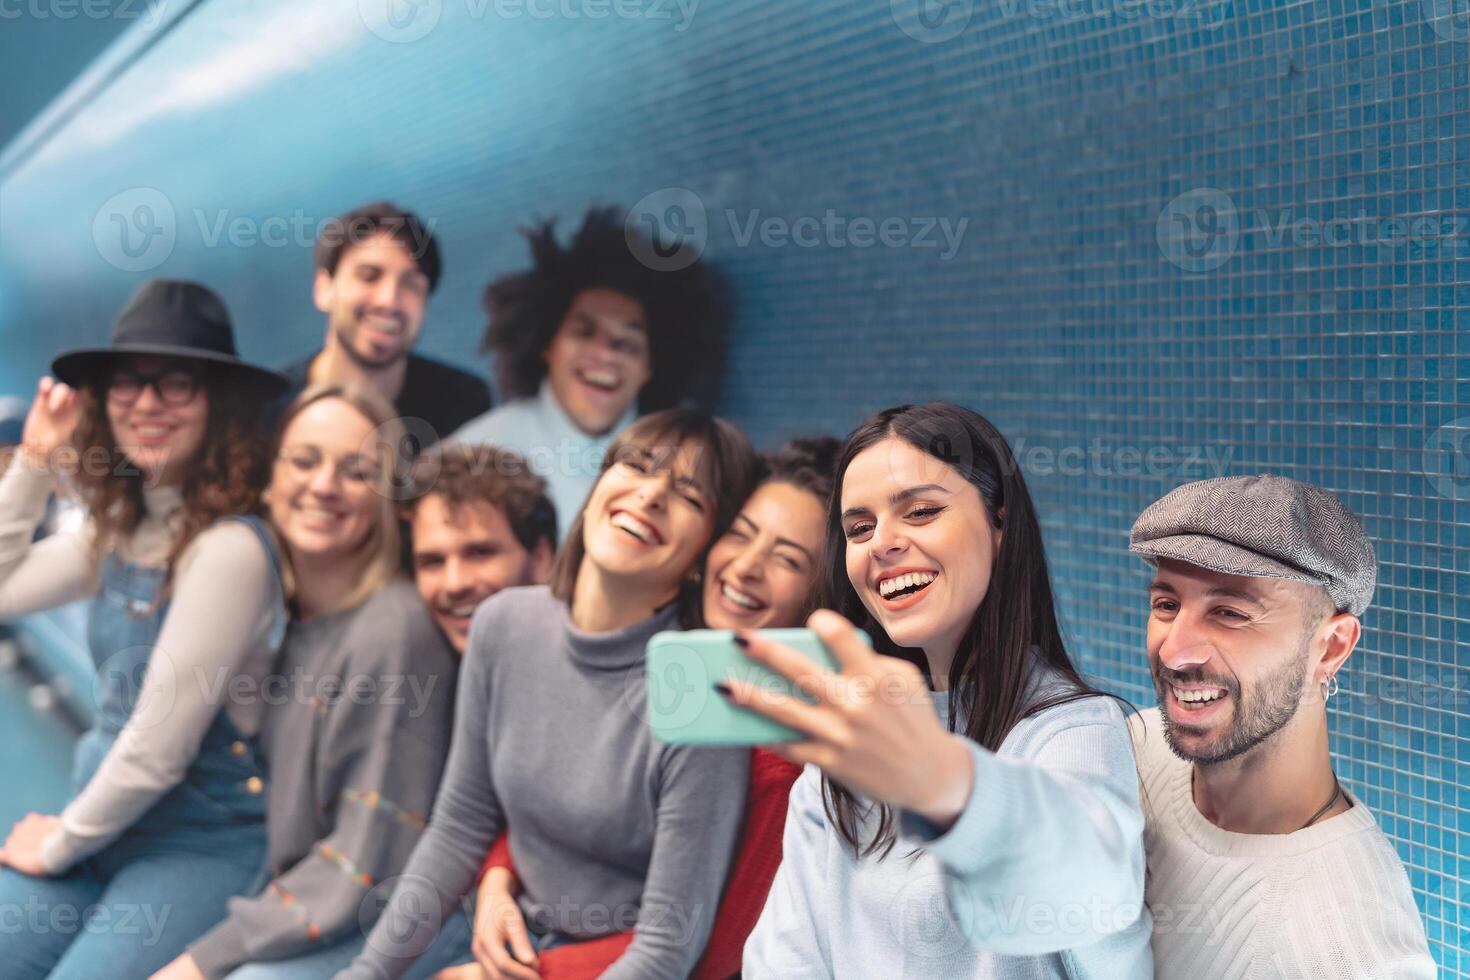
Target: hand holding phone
683, 667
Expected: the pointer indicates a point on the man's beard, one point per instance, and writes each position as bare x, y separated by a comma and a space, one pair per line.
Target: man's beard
1272, 704
344, 343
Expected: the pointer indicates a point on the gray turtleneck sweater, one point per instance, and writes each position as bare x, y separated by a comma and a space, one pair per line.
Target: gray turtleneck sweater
613, 829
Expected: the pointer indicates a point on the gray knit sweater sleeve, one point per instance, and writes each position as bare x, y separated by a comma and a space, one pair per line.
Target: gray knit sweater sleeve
365, 775
466, 820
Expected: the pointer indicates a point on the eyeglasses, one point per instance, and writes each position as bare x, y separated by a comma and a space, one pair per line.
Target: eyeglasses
356, 469
174, 387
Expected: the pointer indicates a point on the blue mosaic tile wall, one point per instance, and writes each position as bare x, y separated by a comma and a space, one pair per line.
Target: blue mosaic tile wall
1154, 241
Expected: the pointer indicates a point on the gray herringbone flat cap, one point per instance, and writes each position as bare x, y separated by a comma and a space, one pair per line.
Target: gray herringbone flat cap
1264, 527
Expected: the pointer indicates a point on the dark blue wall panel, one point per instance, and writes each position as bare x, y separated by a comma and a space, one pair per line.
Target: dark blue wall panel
1188, 237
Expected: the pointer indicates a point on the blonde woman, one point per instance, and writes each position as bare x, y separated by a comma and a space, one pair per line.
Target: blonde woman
358, 728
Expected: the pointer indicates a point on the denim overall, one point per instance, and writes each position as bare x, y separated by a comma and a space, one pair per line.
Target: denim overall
134, 906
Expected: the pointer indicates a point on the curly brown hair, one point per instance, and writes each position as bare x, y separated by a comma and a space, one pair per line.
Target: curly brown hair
225, 479
463, 474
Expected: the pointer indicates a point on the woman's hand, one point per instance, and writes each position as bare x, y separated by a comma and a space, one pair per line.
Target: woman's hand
50, 423
468, 971
22, 850
182, 968
873, 727
498, 921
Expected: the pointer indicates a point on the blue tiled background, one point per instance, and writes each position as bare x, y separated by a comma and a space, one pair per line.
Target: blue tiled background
1187, 237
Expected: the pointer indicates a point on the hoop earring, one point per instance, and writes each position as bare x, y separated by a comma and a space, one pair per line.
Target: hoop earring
1329, 688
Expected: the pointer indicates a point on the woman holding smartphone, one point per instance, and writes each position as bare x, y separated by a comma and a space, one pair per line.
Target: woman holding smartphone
761, 574
167, 819
614, 830
990, 827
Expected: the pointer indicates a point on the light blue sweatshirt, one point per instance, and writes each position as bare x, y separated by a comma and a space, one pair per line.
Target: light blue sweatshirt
568, 459
1041, 876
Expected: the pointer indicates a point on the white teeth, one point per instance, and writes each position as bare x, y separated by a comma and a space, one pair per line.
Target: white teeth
317, 514
602, 379
151, 431
1198, 696
383, 324
739, 598
889, 586
639, 529
462, 611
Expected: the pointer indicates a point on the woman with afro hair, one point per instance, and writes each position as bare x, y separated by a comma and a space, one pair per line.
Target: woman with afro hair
589, 338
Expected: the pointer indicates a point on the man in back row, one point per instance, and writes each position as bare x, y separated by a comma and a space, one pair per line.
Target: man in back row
1260, 863
375, 270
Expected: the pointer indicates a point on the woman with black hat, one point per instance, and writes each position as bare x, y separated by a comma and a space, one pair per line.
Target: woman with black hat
157, 434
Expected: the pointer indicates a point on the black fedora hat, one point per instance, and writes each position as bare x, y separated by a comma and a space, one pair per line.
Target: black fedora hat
171, 318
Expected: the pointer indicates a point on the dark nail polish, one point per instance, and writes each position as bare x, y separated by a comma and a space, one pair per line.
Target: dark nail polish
723, 690
741, 641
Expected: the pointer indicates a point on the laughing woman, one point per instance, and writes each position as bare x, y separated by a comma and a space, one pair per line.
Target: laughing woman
613, 829
167, 819
761, 574
991, 827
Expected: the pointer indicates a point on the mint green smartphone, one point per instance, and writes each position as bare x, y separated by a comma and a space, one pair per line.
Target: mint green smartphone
683, 667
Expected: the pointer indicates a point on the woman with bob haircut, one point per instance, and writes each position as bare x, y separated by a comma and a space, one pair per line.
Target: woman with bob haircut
614, 829
357, 746
589, 338
167, 816
1008, 791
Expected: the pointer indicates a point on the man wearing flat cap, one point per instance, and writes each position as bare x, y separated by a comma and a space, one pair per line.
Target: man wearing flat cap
1260, 863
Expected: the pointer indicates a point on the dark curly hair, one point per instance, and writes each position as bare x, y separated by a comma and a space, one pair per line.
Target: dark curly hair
686, 312
808, 463
226, 479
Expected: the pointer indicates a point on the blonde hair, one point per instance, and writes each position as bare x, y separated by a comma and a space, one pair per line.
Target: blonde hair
380, 553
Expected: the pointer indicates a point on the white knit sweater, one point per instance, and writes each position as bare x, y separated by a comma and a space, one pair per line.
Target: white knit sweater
1331, 901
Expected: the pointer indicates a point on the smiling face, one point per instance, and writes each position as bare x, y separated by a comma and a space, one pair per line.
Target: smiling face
158, 411
920, 545
324, 496
1231, 657
649, 517
761, 572
464, 555
599, 359
375, 302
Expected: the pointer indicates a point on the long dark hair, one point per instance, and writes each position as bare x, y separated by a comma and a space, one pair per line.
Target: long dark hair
1014, 623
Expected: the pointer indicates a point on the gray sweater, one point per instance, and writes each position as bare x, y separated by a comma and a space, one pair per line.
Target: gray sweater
355, 738
613, 829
